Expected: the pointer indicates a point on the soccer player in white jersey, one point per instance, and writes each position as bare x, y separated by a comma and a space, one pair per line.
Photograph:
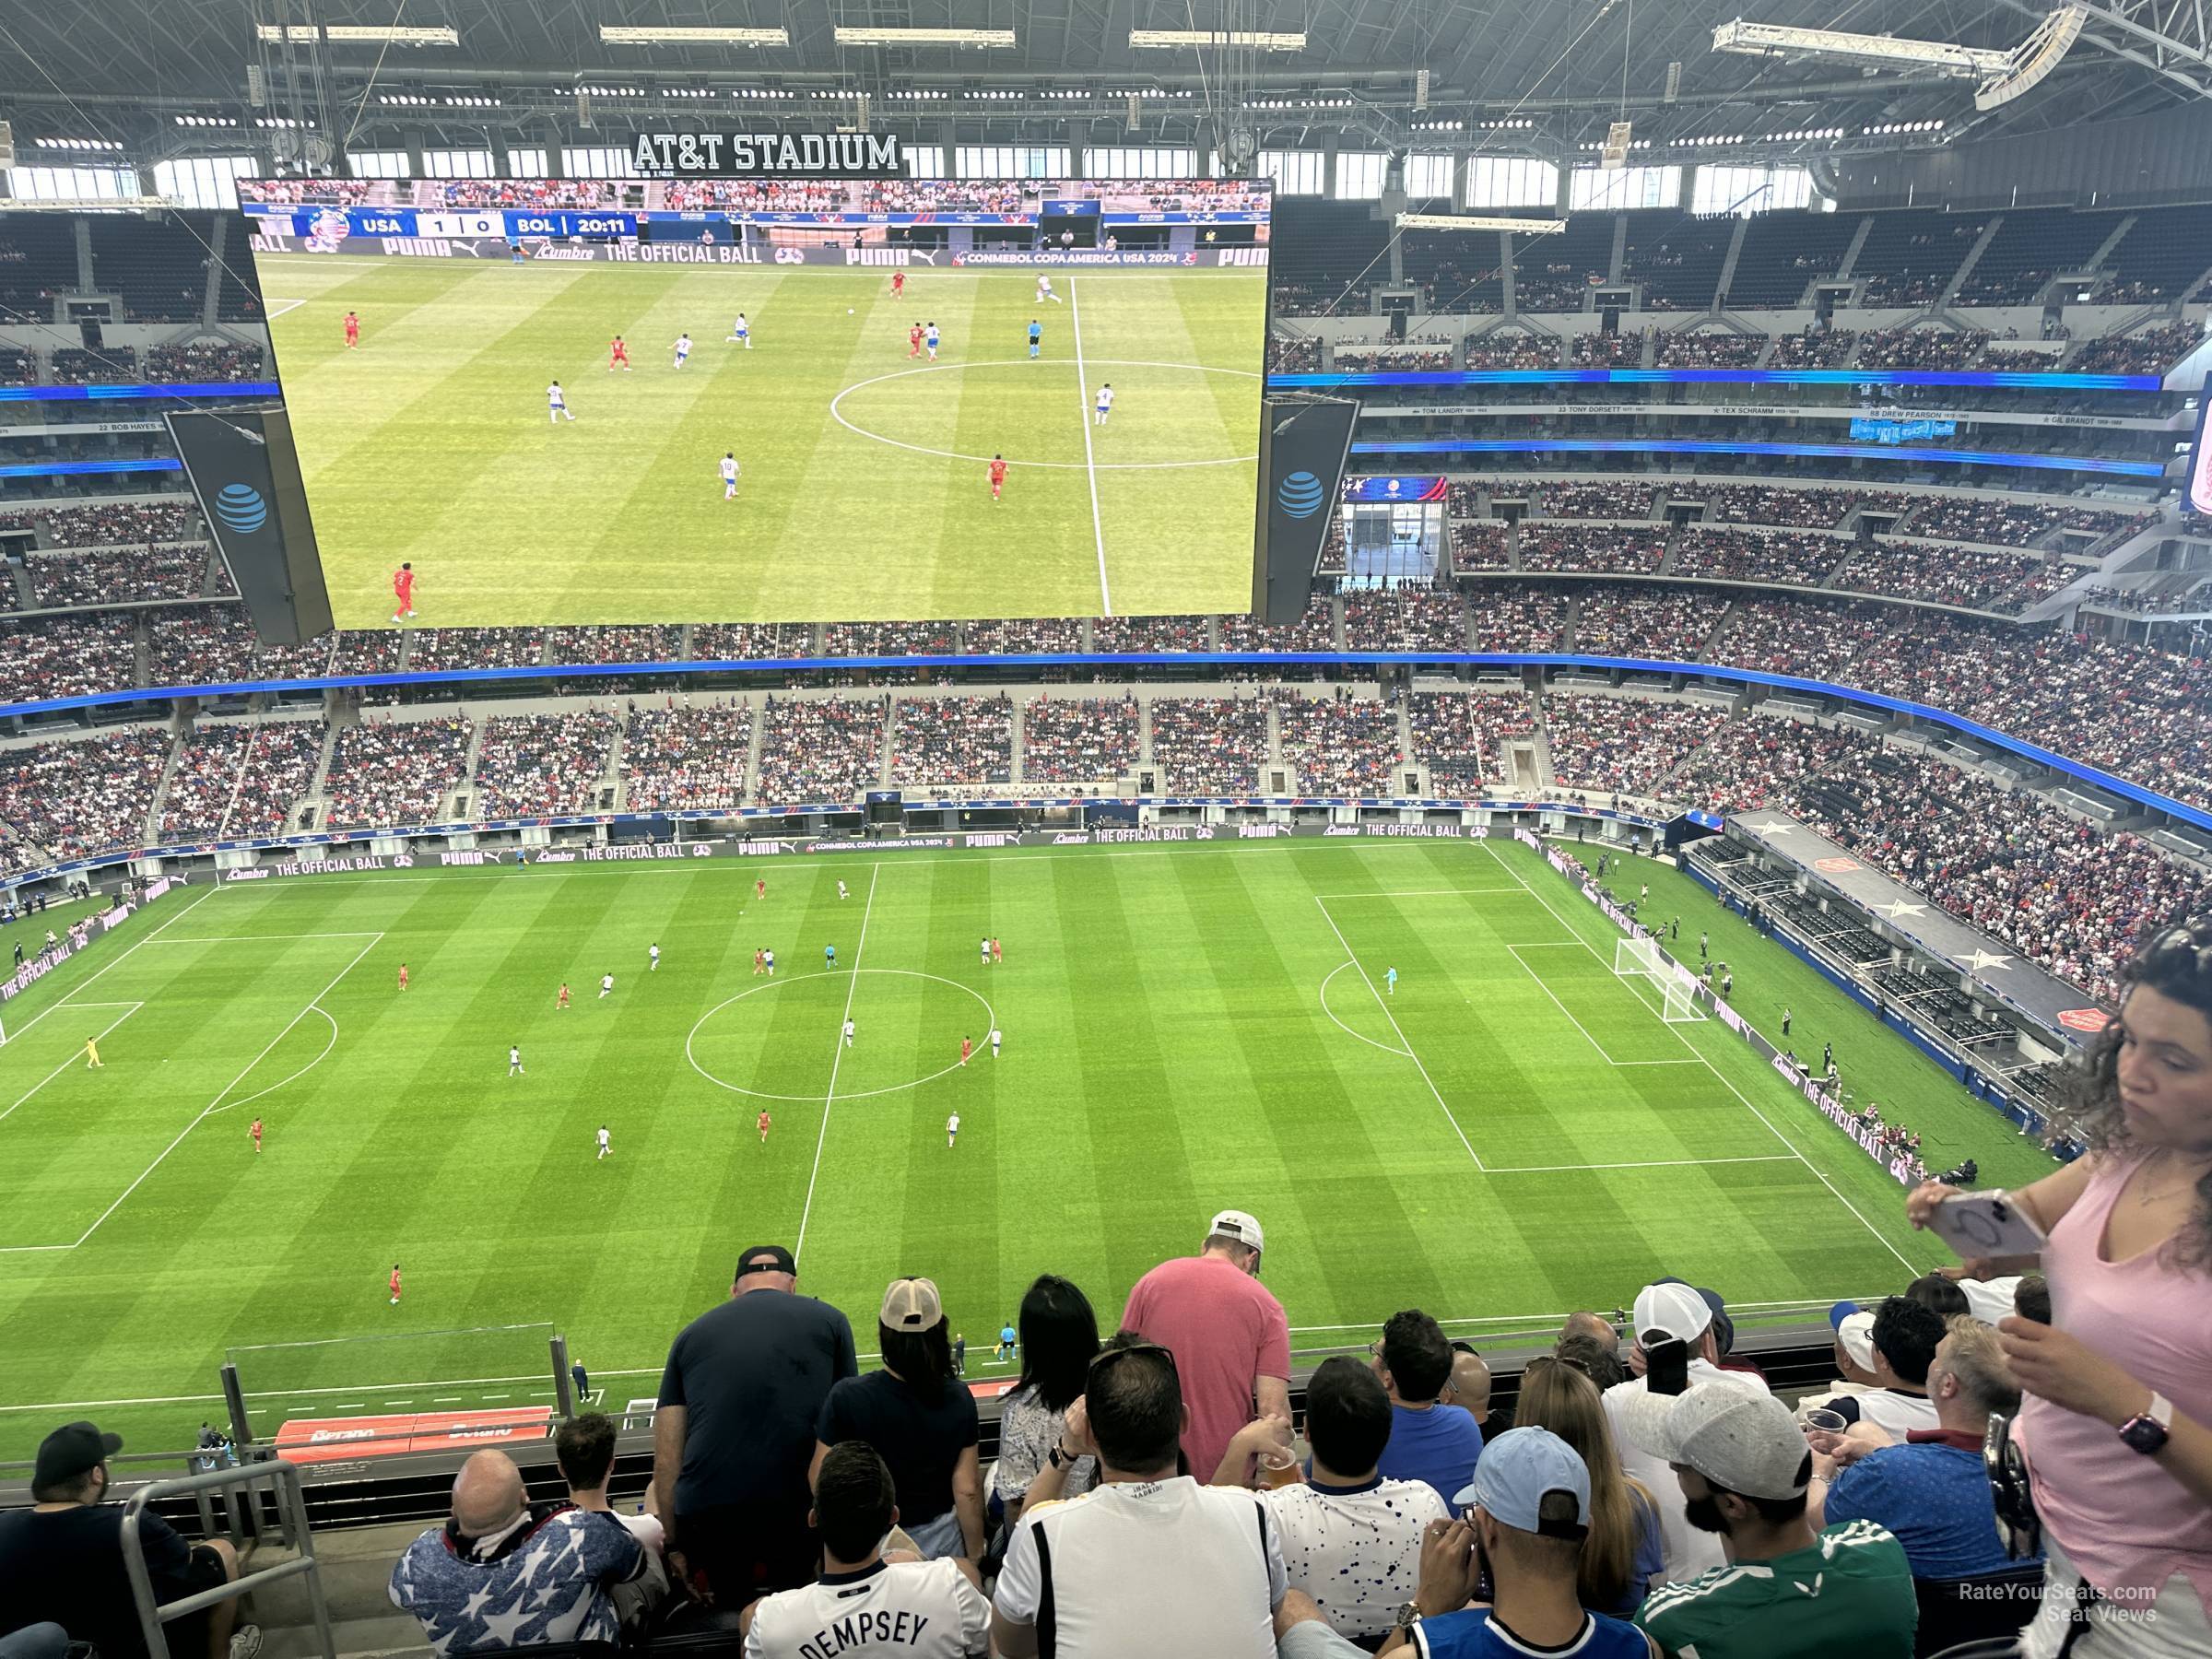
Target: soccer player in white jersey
1105, 403
606, 1148
557, 403
683, 348
1045, 289
514, 1061
929, 338
841, 890
742, 332
729, 476
997, 1037
847, 1030
652, 958
952, 1128
986, 952
918, 1609
606, 985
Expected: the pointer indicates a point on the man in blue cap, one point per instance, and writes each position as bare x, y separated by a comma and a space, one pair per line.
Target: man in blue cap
1527, 1513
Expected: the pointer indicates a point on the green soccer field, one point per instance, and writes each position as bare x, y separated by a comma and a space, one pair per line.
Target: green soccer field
1513, 1135
864, 494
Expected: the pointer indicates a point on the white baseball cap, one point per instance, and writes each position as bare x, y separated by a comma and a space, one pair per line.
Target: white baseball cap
1743, 1440
1671, 1307
1853, 1326
1237, 1225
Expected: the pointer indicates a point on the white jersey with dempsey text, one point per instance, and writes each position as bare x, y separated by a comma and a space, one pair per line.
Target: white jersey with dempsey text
923, 1608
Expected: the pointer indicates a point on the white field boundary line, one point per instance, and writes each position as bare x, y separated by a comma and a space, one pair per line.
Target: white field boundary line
1649, 1163
1417, 893
313, 1006
1751, 1106
1352, 960
1090, 461
1515, 951
837, 1055
66, 1002
128, 1009
263, 939
793, 861
120, 958
329, 1042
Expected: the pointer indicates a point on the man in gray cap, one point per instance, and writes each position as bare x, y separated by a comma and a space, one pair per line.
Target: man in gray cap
1786, 1592
62, 1560
1227, 1333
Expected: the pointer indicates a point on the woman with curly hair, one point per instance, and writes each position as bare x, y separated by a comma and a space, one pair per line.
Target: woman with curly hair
2117, 1421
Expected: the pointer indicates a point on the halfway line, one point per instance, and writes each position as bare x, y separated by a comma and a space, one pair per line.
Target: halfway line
1090, 462
836, 1056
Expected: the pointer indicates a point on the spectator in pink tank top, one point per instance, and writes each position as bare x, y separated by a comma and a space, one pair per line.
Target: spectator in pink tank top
2116, 1418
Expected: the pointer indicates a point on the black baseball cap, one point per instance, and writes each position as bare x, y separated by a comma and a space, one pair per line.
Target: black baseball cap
72, 1449
780, 1261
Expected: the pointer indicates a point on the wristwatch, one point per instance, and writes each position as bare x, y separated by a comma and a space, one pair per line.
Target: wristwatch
1409, 1614
2146, 1432
1057, 1458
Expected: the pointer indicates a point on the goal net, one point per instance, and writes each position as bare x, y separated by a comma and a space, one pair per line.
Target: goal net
1640, 959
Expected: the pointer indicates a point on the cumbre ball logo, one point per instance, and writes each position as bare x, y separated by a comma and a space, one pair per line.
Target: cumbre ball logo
241, 507
1300, 495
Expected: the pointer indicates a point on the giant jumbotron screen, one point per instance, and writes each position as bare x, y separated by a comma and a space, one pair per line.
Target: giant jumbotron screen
579, 402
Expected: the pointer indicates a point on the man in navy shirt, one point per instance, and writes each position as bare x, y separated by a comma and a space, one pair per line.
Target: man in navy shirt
1428, 1442
1931, 1489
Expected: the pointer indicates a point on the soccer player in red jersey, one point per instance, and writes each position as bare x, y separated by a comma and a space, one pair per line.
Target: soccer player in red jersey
402, 976
562, 1001
762, 1126
395, 1284
256, 1133
353, 331
760, 887
402, 590
998, 952
998, 475
913, 341
620, 355
898, 285
757, 962
967, 1048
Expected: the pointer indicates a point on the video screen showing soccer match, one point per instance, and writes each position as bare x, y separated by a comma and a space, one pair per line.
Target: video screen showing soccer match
580, 402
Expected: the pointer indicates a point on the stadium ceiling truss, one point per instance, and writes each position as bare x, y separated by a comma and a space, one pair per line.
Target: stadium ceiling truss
1501, 76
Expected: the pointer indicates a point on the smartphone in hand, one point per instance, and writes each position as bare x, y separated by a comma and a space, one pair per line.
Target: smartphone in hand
1985, 1224
1666, 1367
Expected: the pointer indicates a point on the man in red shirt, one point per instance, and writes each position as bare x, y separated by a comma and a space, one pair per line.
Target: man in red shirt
395, 1284
998, 475
968, 1048
353, 331
1229, 1335
898, 285
762, 1126
257, 1137
402, 976
913, 341
619, 356
402, 590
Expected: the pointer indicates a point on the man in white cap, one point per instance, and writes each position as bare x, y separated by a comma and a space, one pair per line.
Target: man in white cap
1671, 1308
1786, 1592
1527, 1513
1229, 1335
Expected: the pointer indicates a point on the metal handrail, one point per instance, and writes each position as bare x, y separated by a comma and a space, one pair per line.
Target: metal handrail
283, 1480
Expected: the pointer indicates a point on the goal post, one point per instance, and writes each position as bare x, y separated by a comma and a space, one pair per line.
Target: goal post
1640, 959
1678, 1004
1637, 959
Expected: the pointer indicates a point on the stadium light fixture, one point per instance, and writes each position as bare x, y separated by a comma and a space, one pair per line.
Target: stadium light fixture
1781, 41
925, 37
1249, 39
357, 34
614, 34
2002, 76
1458, 221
